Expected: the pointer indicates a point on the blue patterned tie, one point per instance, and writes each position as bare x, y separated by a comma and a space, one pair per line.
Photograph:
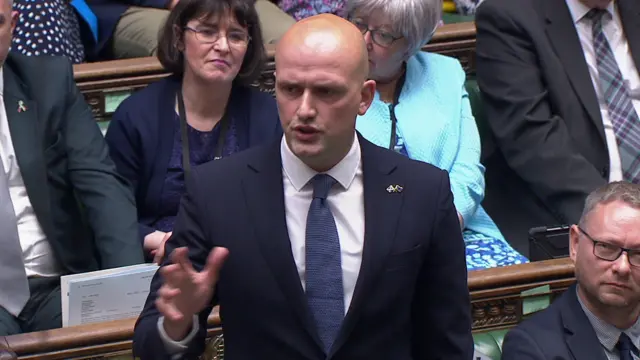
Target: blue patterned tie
323, 282
624, 346
624, 117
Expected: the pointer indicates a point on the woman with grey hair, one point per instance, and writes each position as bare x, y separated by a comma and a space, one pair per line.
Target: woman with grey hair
421, 109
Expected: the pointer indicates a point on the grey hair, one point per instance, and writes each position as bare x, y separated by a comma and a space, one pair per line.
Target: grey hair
416, 20
616, 191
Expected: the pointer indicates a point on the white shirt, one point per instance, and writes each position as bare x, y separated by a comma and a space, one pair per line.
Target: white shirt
612, 28
36, 251
346, 201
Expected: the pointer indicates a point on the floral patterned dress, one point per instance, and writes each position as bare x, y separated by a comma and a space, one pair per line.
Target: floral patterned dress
301, 9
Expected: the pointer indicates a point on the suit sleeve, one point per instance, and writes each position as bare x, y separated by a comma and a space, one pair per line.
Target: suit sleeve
188, 232
441, 309
518, 345
126, 152
534, 141
105, 196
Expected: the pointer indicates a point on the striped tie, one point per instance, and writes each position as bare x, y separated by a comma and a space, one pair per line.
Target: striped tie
624, 117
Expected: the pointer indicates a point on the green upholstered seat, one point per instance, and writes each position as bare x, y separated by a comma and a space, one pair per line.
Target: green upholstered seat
452, 18
475, 98
489, 343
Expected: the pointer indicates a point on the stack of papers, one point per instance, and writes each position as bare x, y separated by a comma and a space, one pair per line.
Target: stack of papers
105, 295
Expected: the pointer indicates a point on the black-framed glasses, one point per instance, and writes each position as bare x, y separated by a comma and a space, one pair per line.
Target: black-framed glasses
609, 252
379, 36
235, 38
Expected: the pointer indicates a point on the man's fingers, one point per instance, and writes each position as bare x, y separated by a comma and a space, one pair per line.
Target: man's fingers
168, 310
215, 260
173, 275
168, 292
180, 256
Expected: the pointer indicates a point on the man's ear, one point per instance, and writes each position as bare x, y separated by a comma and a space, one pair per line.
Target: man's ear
367, 93
574, 234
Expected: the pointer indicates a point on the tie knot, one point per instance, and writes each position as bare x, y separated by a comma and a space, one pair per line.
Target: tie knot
596, 15
625, 344
322, 183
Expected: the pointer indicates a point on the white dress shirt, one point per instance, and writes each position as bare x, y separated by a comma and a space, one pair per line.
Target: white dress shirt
346, 201
36, 251
614, 33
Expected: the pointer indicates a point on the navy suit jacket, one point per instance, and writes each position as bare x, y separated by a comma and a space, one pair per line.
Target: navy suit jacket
411, 300
561, 332
108, 13
141, 134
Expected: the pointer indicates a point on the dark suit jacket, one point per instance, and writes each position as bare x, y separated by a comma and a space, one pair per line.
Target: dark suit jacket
141, 137
108, 13
411, 299
543, 112
85, 209
561, 332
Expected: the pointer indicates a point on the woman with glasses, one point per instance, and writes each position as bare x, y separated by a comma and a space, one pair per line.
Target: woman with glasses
421, 110
204, 111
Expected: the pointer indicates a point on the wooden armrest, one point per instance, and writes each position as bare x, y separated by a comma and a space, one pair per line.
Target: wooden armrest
454, 31
81, 336
526, 274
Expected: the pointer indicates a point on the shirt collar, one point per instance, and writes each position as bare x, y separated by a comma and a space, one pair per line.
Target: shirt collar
300, 173
607, 333
578, 10
1, 80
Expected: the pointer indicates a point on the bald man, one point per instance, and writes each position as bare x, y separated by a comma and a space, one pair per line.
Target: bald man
321, 245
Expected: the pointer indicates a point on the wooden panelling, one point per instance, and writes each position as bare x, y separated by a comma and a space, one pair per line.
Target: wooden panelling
105, 84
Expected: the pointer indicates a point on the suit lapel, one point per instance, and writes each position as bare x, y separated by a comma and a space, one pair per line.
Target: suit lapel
562, 33
22, 115
630, 15
264, 194
579, 333
381, 213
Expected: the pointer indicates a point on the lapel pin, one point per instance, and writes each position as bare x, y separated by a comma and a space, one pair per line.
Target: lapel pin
21, 106
394, 189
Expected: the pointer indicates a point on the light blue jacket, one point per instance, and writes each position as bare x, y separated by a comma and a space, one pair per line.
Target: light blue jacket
437, 126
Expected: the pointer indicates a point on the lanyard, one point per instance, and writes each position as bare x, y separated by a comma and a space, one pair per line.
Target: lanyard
224, 123
396, 99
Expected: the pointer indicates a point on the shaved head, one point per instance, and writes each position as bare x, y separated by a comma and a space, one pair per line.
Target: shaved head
327, 34
321, 87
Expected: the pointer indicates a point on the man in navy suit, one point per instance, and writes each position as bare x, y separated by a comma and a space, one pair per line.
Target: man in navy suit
333, 248
599, 318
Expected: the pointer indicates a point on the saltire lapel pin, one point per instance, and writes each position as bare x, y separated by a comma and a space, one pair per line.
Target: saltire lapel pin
394, 189
21, 106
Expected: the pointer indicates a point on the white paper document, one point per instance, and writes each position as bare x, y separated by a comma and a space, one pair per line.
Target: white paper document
105, 295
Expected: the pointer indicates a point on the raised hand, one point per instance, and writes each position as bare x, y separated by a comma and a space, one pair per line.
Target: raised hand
185, 291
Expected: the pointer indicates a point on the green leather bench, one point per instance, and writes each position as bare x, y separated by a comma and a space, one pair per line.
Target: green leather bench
489, 344
475, 98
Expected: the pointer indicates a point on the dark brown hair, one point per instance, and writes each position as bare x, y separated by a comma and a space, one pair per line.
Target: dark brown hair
244, 13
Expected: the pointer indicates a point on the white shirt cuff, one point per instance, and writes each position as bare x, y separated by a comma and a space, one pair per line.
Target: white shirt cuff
176, 348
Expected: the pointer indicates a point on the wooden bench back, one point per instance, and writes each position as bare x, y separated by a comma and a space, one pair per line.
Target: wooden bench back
105, 84
497, 303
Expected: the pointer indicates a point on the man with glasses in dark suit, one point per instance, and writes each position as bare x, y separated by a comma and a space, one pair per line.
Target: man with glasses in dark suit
599, 317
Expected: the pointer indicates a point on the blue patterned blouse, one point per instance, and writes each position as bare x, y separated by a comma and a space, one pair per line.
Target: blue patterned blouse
202, 147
